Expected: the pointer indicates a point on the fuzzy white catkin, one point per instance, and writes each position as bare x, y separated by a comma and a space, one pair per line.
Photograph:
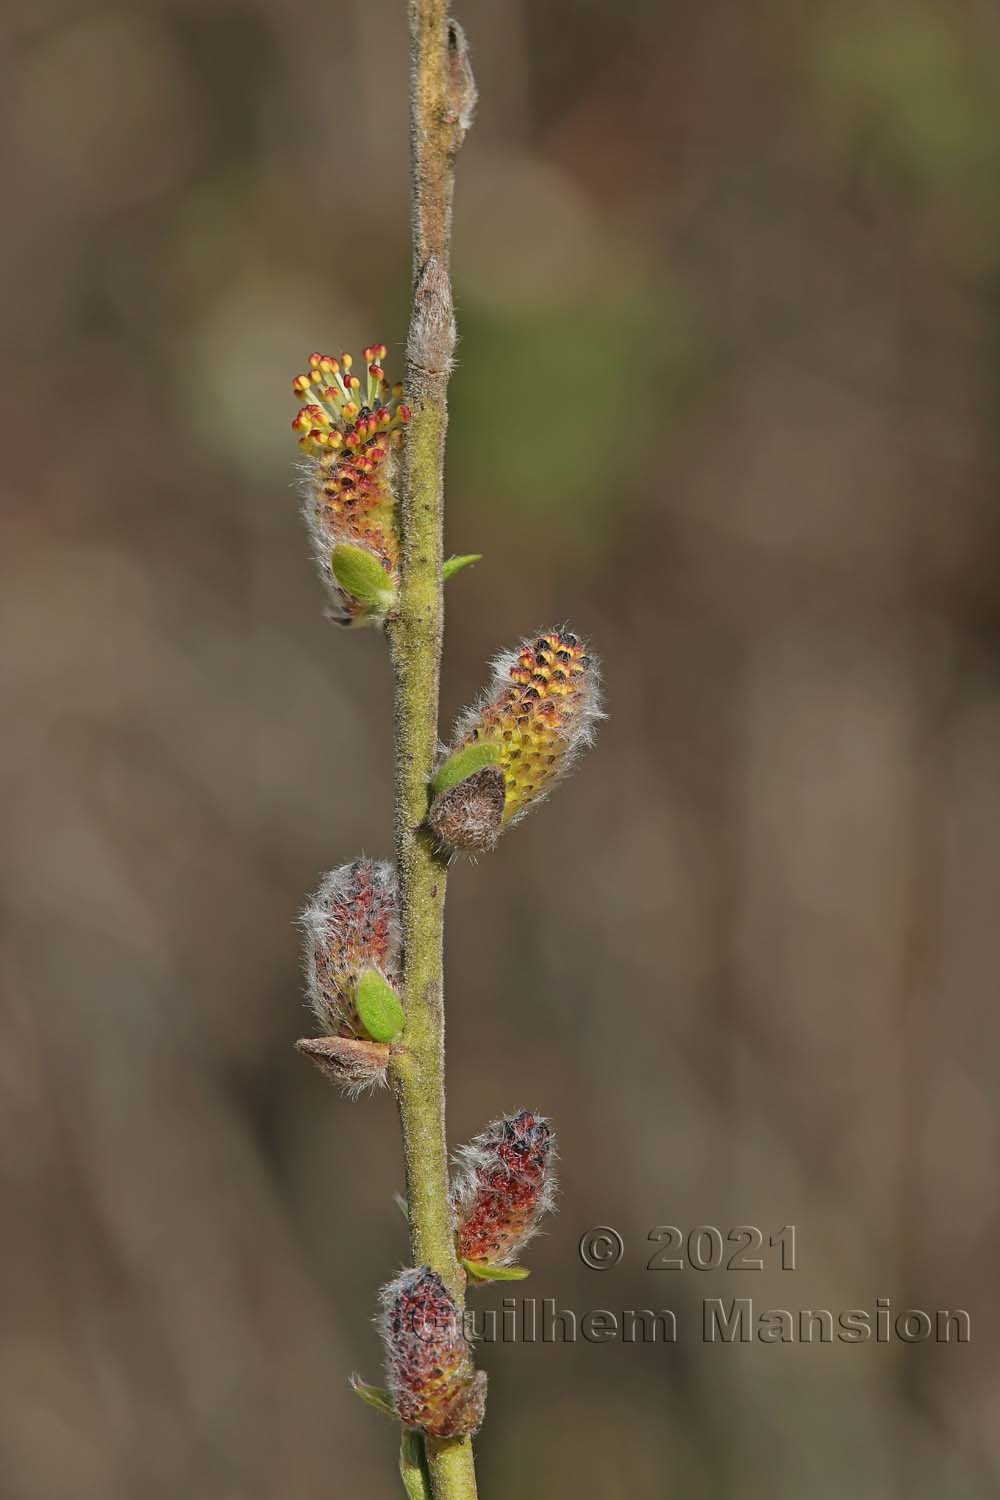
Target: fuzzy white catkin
349, 924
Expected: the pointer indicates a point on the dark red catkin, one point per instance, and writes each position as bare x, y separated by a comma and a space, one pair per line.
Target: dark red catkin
506, 1182
432, 1380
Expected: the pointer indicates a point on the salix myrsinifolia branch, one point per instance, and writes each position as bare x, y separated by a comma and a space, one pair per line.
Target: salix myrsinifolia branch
373, 504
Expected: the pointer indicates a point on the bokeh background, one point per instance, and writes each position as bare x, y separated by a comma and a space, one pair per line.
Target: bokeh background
729, 290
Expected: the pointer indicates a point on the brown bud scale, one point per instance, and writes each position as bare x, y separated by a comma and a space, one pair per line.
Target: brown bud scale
469, 815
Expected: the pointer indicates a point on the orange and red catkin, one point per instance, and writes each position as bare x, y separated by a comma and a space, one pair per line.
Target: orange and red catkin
506, 1183
431, 1377
349, 427
539, 712
350, 925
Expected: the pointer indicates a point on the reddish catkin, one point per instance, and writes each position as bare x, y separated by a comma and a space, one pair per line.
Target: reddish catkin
350, 924
349, 429
538, 713
432, 1380
506, 1183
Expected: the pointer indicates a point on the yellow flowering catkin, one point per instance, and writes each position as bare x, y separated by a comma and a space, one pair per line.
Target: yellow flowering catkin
348, 429
518, 740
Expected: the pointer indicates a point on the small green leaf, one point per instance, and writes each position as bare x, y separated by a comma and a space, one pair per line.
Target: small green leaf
464, 763
361, 575
379, 1009
453, 565
413, 1465
483, 1272
373, 1395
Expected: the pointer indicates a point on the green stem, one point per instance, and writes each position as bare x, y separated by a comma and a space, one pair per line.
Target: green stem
441, 96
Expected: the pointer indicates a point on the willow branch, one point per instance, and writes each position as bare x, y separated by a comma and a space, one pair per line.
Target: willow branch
442, 95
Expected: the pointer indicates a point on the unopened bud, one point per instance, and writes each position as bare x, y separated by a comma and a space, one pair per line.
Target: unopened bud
432, 336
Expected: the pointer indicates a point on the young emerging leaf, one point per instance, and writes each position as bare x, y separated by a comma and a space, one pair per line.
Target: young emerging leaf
539, 712
465, 762
453, 565
432, 1380
360, 574
373, 1395
479, 1270
413, 1468
378, 1007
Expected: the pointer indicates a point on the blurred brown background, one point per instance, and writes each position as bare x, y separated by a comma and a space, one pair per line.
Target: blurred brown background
729, 289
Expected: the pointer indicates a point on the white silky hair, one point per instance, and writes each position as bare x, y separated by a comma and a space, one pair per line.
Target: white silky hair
321, 928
